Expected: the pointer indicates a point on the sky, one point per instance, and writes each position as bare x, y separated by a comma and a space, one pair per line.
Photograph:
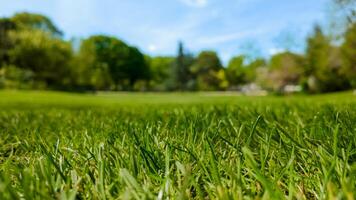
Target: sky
230, 27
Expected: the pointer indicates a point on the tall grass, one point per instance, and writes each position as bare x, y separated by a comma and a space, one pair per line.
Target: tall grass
232, 148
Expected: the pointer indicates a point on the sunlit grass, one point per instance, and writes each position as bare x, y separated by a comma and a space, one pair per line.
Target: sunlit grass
177, 146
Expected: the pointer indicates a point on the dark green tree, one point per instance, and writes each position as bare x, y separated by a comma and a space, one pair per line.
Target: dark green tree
91, 73
161, 72
236, 72
181, 70
206, 70
31, 42
349, 55
137, 68
48, 58
27, 21
322, 64
123, 63
6, 25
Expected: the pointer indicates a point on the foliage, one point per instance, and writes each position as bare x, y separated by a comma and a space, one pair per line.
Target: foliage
161, 72
182, 74
349, 55
6, 25
285, 69
31, 42
252, 68
16, 78
110, 56
137, 68
48, 58
235, 71
31, 21
323, 64
205, 71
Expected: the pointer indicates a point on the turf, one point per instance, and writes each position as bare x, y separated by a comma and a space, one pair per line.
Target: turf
176, 146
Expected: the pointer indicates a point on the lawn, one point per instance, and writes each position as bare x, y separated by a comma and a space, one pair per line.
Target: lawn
178, 146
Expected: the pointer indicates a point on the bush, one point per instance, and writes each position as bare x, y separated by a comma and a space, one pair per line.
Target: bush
12, 77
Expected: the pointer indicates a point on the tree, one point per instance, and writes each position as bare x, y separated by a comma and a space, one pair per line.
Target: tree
235, 71
137, 68
123, 63
98, 59
252, 69
31, 21
160, 72
349, 55
323, 69
48, 58
317, 51
15, 78
285, 68
205, 70
182, 74
31, 43
6, 25
89, 72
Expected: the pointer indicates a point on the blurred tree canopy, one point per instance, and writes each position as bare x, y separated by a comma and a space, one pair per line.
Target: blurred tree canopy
236, 72
252, 69
110, 56
6, 25
161, 69
34, 55
208, 72
181, 73
348, 54
48, 58
323, 64
28, 21
285, 69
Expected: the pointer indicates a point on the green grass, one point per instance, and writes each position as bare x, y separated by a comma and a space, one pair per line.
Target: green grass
177, 146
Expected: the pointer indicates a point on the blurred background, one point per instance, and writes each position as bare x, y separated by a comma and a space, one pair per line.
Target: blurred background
250, 46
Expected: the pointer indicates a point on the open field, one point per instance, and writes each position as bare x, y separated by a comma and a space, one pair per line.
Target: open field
178, 146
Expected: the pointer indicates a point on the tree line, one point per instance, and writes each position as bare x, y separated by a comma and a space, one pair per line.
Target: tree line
34, 55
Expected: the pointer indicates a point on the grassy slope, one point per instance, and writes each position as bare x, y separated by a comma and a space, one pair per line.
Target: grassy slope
60, 145
41, 98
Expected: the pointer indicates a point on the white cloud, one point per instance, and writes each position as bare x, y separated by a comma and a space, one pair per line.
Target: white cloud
195, 3
152, 47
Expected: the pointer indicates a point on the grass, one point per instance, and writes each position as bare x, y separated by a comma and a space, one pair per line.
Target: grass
177, 146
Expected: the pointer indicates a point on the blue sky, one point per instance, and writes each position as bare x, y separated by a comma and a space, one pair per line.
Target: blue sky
229, 27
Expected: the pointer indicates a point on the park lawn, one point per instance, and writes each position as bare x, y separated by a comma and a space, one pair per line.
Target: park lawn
57, 145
